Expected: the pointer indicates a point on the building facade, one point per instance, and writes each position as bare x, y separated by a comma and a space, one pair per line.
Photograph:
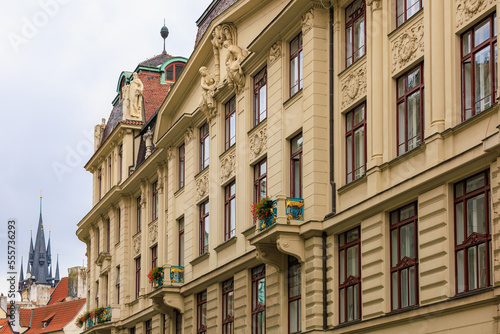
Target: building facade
372, 126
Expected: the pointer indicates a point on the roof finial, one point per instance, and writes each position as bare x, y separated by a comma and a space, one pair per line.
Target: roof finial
164, 35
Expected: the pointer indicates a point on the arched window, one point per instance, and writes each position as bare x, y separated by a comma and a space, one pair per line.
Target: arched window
173, 71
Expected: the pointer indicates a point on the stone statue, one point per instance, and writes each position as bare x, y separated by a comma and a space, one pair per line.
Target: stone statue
135, 96
208, 84
234, 57
98, 133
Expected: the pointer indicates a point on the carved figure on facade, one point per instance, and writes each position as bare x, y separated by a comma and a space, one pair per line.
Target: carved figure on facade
153, 233
405, 46
258, 143
235, 75
275, 52
148, 140
132, 98
220, 34
375, 4
228, 166
98, 133
170, 153
307, 21
188, 136
467, 9
137, 244
353, 86
207, 102
202, 184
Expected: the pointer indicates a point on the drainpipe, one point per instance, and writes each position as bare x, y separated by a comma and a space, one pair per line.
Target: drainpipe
332, 182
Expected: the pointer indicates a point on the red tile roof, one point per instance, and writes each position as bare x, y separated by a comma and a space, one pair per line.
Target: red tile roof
25, 317
60, 292
4, 326
154, 92
63, 314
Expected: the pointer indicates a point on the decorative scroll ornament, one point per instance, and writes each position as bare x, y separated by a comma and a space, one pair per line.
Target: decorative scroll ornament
467, 9
258, 143
188, 136
307, 21
275, 52
137, 244
153, 232
353, 86
207, 102
375, 4
170, 153
405, 47
220, 34
235, 75
228, 166
202, 185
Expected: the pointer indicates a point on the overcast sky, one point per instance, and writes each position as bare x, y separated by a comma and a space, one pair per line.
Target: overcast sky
60, 62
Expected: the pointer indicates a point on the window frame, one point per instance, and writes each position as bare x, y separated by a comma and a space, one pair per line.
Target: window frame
204, 214
404, 99
201, 310
228, 303
154, 202
294, 262
108, 235
181, 241
229, 201
110, 172
119, 225
350, 281
117, 285
405, 11
182, 166
149, 326
299, 55
154, 256
138, 215
258, 273
204, 143
257, 86
120, 158
258, 178
137, 277
351, 133
293, 157
99, 181
350, 23
228, 115
405, 262
174, 71
178, 322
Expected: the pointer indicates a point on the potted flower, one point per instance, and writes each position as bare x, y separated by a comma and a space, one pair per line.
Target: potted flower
98, 312
79, 322
156, 276
263, 209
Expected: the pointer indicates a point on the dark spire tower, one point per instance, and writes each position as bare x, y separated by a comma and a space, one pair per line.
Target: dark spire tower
39, 262
56, 278
21, 275
164, 35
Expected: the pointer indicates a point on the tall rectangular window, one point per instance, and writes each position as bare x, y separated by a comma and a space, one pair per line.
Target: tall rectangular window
479, 67
472, 233
97, 294
296, 76
182, 167
259, 181
355, 141
132, 330
154, 257
350, 276
106, 292
178, 322
230, 122
201, 313
204, 227
155, 200
230, 211
260, 96
120, 159
181, 242
294, 296
110, 172
404, 257
259, 299
149, 327
98, 241
119, 225
406, 9
137, 277
138, 214
228, 307
204, 146
108, 235
99, 182
296, 167
355, 31
117, 285
410, 104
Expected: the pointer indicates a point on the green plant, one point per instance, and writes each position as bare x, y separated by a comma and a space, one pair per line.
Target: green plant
263, 209
155, 274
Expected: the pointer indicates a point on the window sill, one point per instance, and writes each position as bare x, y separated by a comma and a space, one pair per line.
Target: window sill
353, 64
180, 190
225, 244
471, 293
404, 309
201, 172
352, 184
255, 126
405, 23
199, 259
249, 231
347, 324
227, 150
292, 98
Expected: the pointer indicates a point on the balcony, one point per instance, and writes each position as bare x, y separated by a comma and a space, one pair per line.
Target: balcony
280, 234
98, 317
166, 296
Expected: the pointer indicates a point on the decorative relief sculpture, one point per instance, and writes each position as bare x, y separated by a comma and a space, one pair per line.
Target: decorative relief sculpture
228, 166
220, 34
467, 9
137, 244
98, 133
148, 139
275, 52
207, 102
307, 21
170, 153
153, 233
235, 75
353, 86
406, 45
202, 185
375, 4
188, 136
132, 98
258, 143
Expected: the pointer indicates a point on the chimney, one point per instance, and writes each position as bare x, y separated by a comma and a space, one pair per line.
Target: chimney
77, 283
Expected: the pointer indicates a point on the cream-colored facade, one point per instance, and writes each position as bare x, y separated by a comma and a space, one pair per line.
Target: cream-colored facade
451, 150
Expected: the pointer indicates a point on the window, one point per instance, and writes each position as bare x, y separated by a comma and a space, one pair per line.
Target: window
132, 330
99, 182
230, 211
182, 160
259, 181
117, 285
98, 237
228, 307
137, 277
108, 237
230, 122
294, 296
173, 71
296, 167
154, 256
407, 8
472, 233
479, 81
204, 224
201, 319
97, 293
181, 242
119, 219
355, 31
138, 214
410, 109
404, 258
110, 173
178, 322
260, 96
259, 300
149, 327
155, 200
204, 146
106, 292
355, 143
120, 158
296, 75
350, 277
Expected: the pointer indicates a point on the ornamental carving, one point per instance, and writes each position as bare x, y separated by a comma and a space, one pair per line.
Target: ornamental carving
220, 34
170, 153
375, 4
188, 136
202, 185
228, 166
235, 74
408, 45
153, 233
467, 9
353, 86
207, 102
137, 244
307, 21
258, 143
132, 99
275, 52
